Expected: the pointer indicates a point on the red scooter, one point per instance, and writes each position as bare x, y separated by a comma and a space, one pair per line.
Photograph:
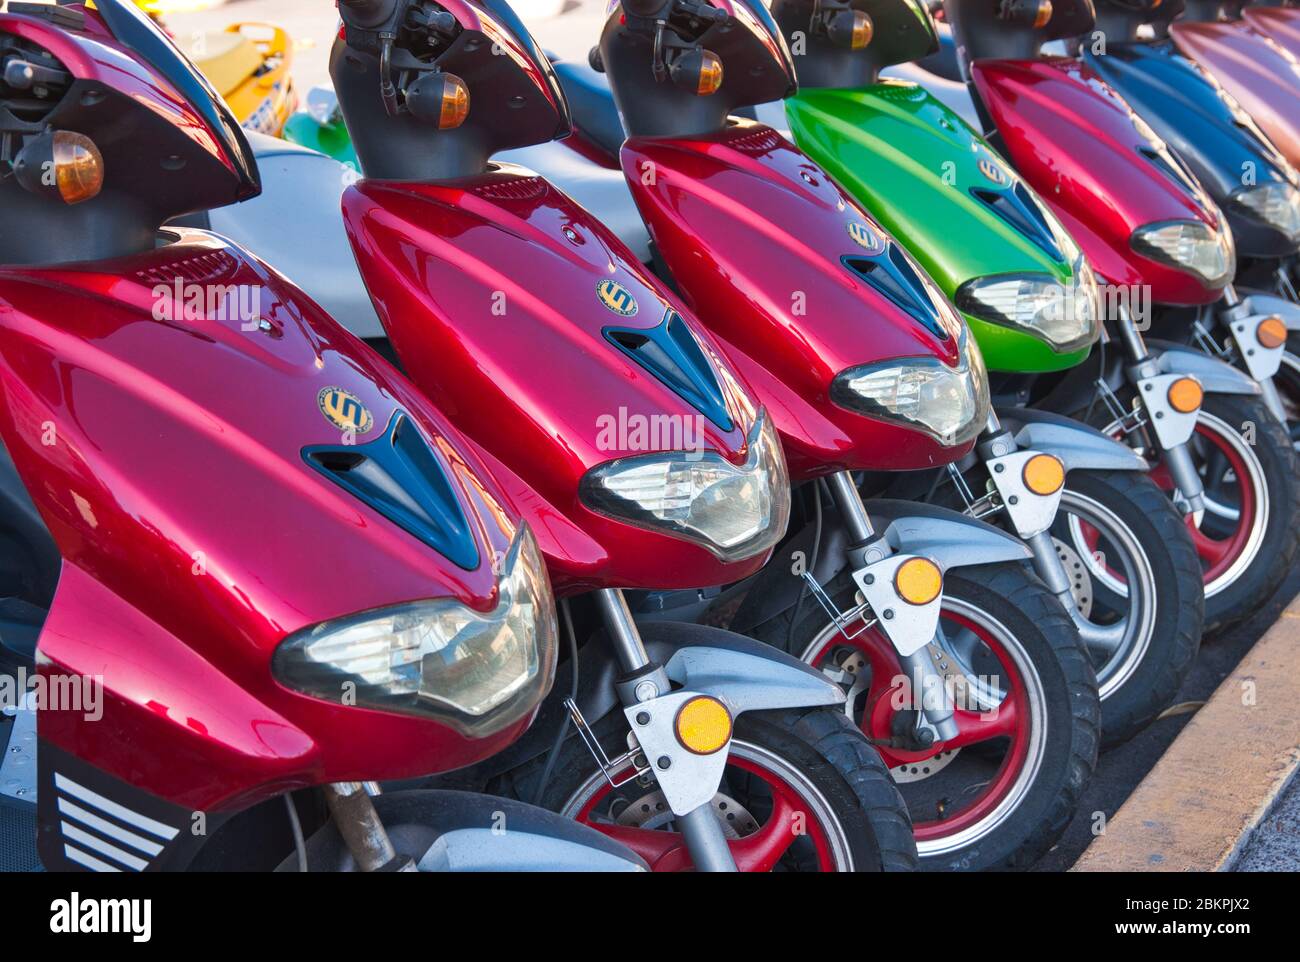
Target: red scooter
478, 270
279, 572
1153, 234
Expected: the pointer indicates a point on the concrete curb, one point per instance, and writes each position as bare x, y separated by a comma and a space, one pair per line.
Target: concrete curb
1198, 806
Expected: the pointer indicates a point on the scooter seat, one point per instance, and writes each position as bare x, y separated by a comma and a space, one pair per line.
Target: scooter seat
592, 104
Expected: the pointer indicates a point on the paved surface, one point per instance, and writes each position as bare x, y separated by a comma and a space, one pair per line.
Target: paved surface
1121, 769
1275, 846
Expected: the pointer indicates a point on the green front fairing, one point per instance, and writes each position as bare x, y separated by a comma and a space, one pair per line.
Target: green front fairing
912, 163
331, 140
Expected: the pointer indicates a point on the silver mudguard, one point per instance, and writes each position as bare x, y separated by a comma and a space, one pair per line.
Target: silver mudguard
443, 831
1079, 447
954, 542
1216, 376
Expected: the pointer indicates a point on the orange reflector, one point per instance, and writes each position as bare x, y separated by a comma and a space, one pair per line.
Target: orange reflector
918, 581
863, 30
1271, 332
703, 725
1044, 474
455, 102
710, 74
78, 166
1185, 395
1044, 13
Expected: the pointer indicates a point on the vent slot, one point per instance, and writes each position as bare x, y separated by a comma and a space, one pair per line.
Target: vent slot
892, 275
1018, 208
399, 476
671, 353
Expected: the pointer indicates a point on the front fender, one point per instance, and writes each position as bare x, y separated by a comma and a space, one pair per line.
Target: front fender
948, 537
951, 539
1216, 376
461, 832
1078, 446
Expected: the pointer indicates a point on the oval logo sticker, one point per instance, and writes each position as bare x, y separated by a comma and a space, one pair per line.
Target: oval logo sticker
990, 169
865, 237
344, 410
616, 298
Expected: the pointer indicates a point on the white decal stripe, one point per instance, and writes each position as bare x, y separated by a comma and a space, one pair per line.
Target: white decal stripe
104, 848
108, 828
108, 805
92, 863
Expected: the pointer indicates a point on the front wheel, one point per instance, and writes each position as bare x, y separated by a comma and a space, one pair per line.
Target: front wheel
1002, 792
1136, 582
802, 792
1247, 535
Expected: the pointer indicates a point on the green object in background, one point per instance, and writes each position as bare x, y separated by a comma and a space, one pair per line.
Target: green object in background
937, 186
332, 140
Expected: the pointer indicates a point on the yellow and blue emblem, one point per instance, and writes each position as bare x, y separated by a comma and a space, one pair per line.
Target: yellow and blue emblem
991, 169
616, 298
866, 238
344, 410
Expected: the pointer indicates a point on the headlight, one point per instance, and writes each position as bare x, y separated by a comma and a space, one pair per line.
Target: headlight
1277, 205
1190, 246
477, 671
1064, 317
949, 404
734, 512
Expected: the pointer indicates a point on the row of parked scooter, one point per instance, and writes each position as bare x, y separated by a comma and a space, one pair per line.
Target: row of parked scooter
661, 494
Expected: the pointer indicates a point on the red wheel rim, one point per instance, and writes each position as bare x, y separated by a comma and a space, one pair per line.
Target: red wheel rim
888, 688
1218, 554
760, 851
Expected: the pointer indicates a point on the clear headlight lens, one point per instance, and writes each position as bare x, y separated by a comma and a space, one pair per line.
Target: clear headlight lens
1065, 317
1277, 205
949, 404
477, 671
733, 511
1190, 246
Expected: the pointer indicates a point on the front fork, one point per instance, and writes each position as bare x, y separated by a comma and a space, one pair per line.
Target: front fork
1258, 326
1166, 401
910, 626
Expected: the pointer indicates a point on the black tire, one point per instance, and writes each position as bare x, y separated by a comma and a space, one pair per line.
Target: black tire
1049, 648
1139, 683
819, 743
1287, 381
1276, 460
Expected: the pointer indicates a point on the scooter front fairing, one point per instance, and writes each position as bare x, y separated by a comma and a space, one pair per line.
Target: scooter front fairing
1256, 72
1280, 23
1218, 141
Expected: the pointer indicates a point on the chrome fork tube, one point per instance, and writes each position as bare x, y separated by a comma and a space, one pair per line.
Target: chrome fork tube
701, 829
936, 706
362, 829
1178, 459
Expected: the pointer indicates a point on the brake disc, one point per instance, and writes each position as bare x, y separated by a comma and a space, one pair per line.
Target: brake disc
651, 811
1077, 571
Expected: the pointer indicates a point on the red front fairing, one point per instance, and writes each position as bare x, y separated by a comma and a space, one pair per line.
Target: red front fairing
753, 233
488, 288
1280, 24
166, 458
1262, 76
1076, 143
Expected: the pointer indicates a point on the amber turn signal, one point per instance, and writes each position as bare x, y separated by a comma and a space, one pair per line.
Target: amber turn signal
1185, 395
1044, 474
1044, 13
918, 581
61, 161
455, 102
698, 71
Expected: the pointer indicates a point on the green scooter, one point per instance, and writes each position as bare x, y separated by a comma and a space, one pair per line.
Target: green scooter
1118, 553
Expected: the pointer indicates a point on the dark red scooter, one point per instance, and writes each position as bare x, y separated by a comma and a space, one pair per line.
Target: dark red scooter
273, 572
